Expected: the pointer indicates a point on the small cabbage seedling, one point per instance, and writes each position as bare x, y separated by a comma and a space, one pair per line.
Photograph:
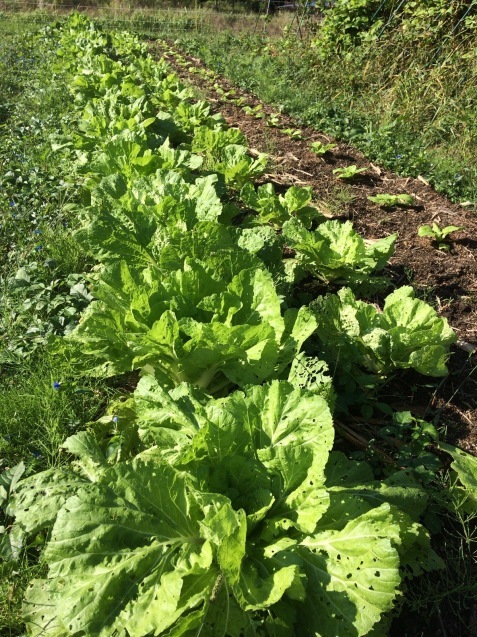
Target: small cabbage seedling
438, 235
349, 172
255, 111
274, 120
393, 200
292, 132
321, 149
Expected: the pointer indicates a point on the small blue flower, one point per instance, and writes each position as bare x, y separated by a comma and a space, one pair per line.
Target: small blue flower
36, 453
56, 384
38, 248
37, 231
115, 418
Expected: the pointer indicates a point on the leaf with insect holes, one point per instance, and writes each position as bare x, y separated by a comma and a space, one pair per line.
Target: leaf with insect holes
222, 517
235, 507
354, 572
408, 333
141, 515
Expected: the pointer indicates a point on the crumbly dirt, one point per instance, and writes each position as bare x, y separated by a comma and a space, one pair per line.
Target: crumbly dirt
445, 278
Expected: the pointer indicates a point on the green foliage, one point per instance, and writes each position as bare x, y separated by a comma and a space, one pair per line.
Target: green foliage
187, 507
293, 133
38, 255
353, 22
221, 516
9, 478
438, 234
35, 310
348, 20
336, 253
136, 223
465, 466
255, 111
321, 149
40, 405
408, 130
407, 333
274, 120
189, 326
238, 167
365, 345
415, 438
348, 172
277, 209
392, 200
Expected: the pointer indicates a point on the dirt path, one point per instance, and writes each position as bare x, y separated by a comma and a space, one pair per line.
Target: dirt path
446, 279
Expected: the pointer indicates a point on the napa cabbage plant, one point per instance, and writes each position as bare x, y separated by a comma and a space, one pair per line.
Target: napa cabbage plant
335, 252
192, 324
365, 345
276, 209
239, 520
135, 221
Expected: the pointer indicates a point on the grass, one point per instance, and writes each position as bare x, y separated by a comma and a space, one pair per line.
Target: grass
36, 415
42, 401
152, 21
13, 583
448, 594
337, 200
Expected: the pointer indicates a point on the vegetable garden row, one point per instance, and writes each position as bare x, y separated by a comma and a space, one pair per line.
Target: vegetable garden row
214, 499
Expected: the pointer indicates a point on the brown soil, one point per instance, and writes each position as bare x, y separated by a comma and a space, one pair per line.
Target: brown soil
446, 279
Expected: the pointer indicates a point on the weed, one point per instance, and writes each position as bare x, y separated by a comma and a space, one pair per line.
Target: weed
14, 580
452, 590
338, 200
